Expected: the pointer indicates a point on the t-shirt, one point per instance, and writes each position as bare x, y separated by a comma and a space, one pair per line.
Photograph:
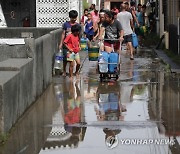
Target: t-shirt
88, 29
112, 30
140, 18
72, 42
67, 27
95, 17
83, 19
124, 18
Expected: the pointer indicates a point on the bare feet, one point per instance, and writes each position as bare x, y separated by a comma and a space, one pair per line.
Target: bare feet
71, 78
77, 75
64, 74
131, 58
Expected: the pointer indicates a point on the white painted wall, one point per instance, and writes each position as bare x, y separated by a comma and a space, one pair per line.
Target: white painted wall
2, 19
54, 13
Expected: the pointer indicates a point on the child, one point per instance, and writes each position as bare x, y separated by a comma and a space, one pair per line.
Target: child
67, 30
84, 17
89, 27
72, 43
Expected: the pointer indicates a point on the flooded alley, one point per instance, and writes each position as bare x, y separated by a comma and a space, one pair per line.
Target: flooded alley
137, 114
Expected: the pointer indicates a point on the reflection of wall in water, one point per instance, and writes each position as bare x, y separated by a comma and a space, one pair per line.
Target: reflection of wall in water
30, 133
165, 103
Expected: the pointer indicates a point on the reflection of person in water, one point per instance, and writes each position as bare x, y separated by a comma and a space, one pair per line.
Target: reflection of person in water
72, 113
77, 134
127, 89
72, 103
109, 107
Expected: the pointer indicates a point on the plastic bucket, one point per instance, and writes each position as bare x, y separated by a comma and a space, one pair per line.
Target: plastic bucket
83, 44
93, 53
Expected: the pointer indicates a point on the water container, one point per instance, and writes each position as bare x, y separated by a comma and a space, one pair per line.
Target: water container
58, 64
103, 65
113, 58
93, 53
134, 40
83, 43
105, 55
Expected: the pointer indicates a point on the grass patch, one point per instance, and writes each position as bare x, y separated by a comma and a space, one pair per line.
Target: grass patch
3, 138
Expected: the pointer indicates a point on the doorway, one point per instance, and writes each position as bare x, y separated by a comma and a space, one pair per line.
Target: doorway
117, 4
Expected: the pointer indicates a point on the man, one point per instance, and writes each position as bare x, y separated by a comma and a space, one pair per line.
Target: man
113, 31
126, 20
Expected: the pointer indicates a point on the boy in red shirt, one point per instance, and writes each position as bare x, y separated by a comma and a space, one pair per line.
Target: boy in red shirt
72, 43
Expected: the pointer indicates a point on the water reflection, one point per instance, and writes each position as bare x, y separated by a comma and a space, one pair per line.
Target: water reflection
48, 124
63, 133
109, 107
29, 133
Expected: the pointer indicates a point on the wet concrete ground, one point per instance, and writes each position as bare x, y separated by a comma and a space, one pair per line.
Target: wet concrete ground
137, 114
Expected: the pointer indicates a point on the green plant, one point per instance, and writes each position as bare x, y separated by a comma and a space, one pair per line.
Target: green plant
85, 4
151, 39
3, 138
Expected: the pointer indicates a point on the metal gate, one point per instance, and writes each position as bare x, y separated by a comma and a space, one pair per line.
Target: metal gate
52, 13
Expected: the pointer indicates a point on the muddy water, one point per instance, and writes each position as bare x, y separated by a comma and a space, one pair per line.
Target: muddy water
139, 113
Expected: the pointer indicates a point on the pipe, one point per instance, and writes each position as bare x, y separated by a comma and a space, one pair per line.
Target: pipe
178, 35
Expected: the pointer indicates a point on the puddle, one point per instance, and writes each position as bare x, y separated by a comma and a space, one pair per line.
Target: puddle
139, 113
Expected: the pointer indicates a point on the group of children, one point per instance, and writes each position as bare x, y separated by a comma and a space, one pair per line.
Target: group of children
70, 44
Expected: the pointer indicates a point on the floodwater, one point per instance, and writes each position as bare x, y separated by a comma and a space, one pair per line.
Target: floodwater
138, 114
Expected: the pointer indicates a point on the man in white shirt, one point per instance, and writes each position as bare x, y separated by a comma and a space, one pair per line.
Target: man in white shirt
126, 20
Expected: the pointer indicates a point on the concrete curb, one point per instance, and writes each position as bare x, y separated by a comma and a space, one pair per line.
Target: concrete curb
175, 68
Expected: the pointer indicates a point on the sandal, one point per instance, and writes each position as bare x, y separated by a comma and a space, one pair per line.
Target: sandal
131, 58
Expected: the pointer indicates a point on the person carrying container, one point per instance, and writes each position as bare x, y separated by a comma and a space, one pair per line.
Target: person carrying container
73, 14
72, 43
126, 20
89, 27
113, 32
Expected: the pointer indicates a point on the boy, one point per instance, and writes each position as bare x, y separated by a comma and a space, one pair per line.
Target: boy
67, 30
72, 43
89, 27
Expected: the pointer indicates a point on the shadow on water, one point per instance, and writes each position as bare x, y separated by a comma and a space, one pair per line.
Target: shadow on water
87, 116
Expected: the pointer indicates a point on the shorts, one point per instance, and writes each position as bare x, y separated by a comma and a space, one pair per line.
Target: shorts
127, 38
71, 56
90, 37
116, 45
65, 50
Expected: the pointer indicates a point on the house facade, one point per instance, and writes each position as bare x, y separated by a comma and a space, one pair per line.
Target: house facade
168, 23
38, 13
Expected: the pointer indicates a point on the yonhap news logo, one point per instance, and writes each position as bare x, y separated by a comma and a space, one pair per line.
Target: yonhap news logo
113, 142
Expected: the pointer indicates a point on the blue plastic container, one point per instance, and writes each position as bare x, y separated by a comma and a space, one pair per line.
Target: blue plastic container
134, 40
113, 58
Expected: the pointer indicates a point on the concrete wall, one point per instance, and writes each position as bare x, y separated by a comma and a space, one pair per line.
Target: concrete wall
24, 79
16, 89
17, 51
18, 32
